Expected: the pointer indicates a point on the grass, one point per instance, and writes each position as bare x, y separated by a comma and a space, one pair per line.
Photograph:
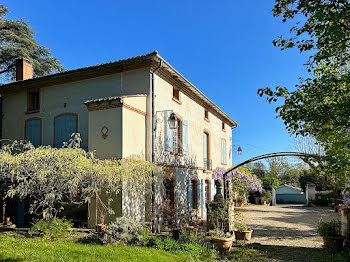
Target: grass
16, 248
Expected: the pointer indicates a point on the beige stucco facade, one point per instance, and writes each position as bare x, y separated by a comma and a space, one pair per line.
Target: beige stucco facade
117, 123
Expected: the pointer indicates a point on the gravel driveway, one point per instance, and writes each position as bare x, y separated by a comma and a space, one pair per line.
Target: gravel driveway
286, 225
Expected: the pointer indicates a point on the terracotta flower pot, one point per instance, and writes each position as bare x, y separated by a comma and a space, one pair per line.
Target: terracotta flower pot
223, 244
333, 242
101, 227
245, 235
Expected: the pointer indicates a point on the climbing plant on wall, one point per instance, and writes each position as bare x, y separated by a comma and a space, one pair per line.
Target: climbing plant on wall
53, 177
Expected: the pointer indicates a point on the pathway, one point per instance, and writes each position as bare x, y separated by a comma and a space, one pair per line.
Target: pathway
288, 232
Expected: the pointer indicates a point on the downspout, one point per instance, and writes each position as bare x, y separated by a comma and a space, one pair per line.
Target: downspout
154, 126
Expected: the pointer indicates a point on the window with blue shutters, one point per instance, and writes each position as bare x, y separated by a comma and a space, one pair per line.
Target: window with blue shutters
33, 131
65, 125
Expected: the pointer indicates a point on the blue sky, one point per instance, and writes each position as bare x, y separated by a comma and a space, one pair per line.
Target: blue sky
224, 49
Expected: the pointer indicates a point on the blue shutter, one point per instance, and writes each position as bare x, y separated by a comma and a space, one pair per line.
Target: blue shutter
212, 189
189, 195
198, 194
223, 152
203, 198
185, 137
33, 132
167, 133
65, 126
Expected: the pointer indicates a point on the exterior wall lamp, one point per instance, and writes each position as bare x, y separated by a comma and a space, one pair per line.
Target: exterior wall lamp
239, 152
172, 121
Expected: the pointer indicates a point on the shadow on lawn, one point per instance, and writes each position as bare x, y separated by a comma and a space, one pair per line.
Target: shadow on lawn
3, 259
287, 253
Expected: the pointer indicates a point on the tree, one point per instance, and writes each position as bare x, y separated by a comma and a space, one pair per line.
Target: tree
257, 168
17, 41
319, 106
308, 176
270, 182
52, 178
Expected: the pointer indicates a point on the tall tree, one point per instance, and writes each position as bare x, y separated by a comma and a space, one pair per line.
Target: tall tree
17, 41
257, 168
320, 104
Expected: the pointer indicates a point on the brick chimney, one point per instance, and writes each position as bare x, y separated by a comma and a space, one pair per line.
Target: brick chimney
24, 69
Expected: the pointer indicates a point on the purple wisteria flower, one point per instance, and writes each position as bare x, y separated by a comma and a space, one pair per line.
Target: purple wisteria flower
240, 180
346, 199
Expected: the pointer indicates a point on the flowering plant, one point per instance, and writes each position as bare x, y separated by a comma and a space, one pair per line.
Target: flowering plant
242, 180
346, 199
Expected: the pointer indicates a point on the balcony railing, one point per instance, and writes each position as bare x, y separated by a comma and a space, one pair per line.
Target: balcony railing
207, 164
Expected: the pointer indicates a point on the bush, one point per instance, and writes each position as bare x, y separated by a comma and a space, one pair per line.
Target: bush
194, 249
91, 239
329, 229
51, 229
323, 198
127, 231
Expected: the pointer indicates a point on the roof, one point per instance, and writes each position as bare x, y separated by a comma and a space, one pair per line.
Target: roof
111, 98
110, 67
290, 186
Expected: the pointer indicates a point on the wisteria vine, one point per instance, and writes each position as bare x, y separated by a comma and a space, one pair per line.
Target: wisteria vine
241, 181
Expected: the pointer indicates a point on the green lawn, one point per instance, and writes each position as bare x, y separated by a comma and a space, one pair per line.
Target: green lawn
16, 248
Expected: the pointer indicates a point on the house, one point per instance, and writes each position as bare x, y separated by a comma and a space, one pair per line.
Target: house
124, 108
289, 194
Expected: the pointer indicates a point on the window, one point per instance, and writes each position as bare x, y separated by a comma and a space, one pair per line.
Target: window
176, 94
206, 115
223, 126
177, 137
33, 100
33, 131
64, 126
194, 194
169, 190
207, 190
223, 151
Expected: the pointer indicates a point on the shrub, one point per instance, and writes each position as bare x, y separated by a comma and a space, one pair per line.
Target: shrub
91, 239
329, 229
323, 198
241, 227
195, 249
127, 231
51, 229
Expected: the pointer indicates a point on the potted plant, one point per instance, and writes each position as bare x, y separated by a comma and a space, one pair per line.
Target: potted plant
267, 197
243, 232
223, 241
218, 215
330, 231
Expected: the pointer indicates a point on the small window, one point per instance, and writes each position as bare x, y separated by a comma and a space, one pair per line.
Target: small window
33, 100
176, 94
206, 114
223, 126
